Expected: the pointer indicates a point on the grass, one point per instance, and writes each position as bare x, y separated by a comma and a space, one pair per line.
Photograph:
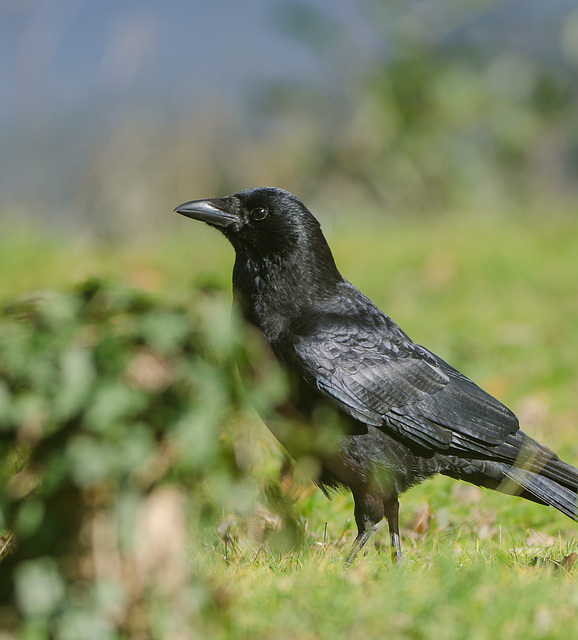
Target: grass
426, 599
499, 301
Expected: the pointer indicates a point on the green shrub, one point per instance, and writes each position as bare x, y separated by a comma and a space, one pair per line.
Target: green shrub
112, 408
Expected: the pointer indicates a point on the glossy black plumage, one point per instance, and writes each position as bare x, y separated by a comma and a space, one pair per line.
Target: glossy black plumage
405, 413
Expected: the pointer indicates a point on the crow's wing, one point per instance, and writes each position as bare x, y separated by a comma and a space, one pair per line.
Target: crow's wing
376, 374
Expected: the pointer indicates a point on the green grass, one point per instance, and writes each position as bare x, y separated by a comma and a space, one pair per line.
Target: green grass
445, 597
499, 300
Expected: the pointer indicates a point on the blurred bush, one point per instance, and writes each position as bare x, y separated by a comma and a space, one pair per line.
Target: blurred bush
121, 432
411, 108
426, 125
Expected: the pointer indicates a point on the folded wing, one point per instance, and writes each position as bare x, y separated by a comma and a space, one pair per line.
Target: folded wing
380, 377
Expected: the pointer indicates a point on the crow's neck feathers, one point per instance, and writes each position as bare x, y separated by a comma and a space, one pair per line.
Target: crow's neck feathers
274, 287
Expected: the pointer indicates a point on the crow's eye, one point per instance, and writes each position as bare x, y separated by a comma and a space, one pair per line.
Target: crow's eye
260, 213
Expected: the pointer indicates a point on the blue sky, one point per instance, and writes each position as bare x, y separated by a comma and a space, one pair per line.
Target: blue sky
58, 55
61, 55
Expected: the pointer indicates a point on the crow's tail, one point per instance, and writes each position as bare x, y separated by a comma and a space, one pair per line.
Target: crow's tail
525, 468
542, 489
541, 473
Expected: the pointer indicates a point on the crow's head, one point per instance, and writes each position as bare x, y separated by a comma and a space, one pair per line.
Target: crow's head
259, 222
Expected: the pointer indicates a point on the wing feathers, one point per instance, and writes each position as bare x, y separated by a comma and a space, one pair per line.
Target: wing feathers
380, 377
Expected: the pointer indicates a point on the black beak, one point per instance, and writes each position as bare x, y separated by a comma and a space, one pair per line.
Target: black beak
207, 211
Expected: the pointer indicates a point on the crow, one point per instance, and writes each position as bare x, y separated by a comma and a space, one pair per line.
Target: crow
405, 414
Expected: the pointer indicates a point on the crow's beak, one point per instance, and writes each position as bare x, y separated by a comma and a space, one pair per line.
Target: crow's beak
207, 211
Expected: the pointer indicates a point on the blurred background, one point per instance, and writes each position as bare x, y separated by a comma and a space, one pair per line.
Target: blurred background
140, 495
112, 113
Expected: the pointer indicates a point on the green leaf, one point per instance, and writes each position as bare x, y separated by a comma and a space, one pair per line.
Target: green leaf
30, 516
113, 403
92, 461
164, 331
39, 587
77, 375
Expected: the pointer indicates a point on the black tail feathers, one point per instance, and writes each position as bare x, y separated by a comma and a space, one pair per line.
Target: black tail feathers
542, 474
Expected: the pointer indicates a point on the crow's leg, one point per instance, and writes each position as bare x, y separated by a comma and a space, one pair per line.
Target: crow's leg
391, 511
369, 512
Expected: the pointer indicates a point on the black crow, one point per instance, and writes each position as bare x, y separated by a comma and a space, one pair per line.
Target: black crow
405, 413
